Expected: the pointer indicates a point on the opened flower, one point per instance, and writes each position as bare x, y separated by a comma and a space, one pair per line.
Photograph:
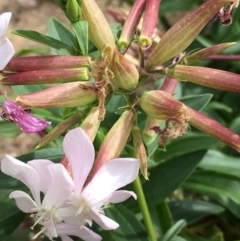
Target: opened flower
6, 47
88, 202
27, 122
55, 182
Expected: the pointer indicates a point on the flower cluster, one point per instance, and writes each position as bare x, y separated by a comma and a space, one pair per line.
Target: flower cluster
69, 202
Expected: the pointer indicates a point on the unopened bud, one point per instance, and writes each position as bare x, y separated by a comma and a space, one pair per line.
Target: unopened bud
214, 78
44, 76
91, 123
64, 95
115, 140
125, 74
140, 150
59, 129
19, 64
99, 29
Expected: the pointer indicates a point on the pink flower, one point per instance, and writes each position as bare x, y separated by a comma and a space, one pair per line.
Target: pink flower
6, 48
27, 122
88, 202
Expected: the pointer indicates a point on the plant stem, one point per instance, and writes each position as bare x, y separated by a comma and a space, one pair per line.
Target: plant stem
144, 209
164, 216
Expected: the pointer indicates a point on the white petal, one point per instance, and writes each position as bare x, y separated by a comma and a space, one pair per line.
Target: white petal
60, 187
81, 232
103, 221
6, 53
110, 177
65, 238
23, 201
4, 21
120, 196
42, 170
23, 173
80, 153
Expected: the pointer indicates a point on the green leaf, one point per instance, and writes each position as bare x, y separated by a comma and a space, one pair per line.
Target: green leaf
193, 210
188, 143
168, 176
173, 231
59, 31
129, 226
25, 89
213, 182
81, 30
9, 129
43, 39
218, 162
197, 102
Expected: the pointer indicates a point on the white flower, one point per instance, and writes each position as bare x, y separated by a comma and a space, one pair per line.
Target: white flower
88, 202
55, 182
6, 48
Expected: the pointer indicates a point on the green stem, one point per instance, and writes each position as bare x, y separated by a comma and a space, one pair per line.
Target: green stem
144, 209
164, 216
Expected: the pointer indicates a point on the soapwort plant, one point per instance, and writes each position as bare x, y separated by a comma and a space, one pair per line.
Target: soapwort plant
117, 99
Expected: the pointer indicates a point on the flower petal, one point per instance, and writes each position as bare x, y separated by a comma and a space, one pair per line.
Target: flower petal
23, 173
6, 52
111, 176
40, 166
80, 153
60, 187
4, 21
103, 221
23, 201
120, 196
82, 232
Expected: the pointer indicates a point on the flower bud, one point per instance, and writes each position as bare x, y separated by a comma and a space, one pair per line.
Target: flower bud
115, 140
140, 150
161, 105
64, 95
125, 73
150, 19
59, 129
182, 33
99, 30
155, 102
130, 25
214, 78
91, 123
19, 64
205, 53
44, 77
73, 11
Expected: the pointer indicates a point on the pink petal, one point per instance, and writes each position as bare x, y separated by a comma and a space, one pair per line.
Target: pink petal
60, 187
27, 122
103, 221
65, 238
40, 166
82, 232
120, 196
6, 53
24, 173
110, 177
23, 201
80, 153
4, 21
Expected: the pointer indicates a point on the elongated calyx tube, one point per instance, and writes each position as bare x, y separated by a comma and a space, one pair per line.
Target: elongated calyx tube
182, 33
115, 140
162, 105
31, 63
98, 27
150, 19
214, 78
125, 74
64, 95
130, 25
44, 76
140, 150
